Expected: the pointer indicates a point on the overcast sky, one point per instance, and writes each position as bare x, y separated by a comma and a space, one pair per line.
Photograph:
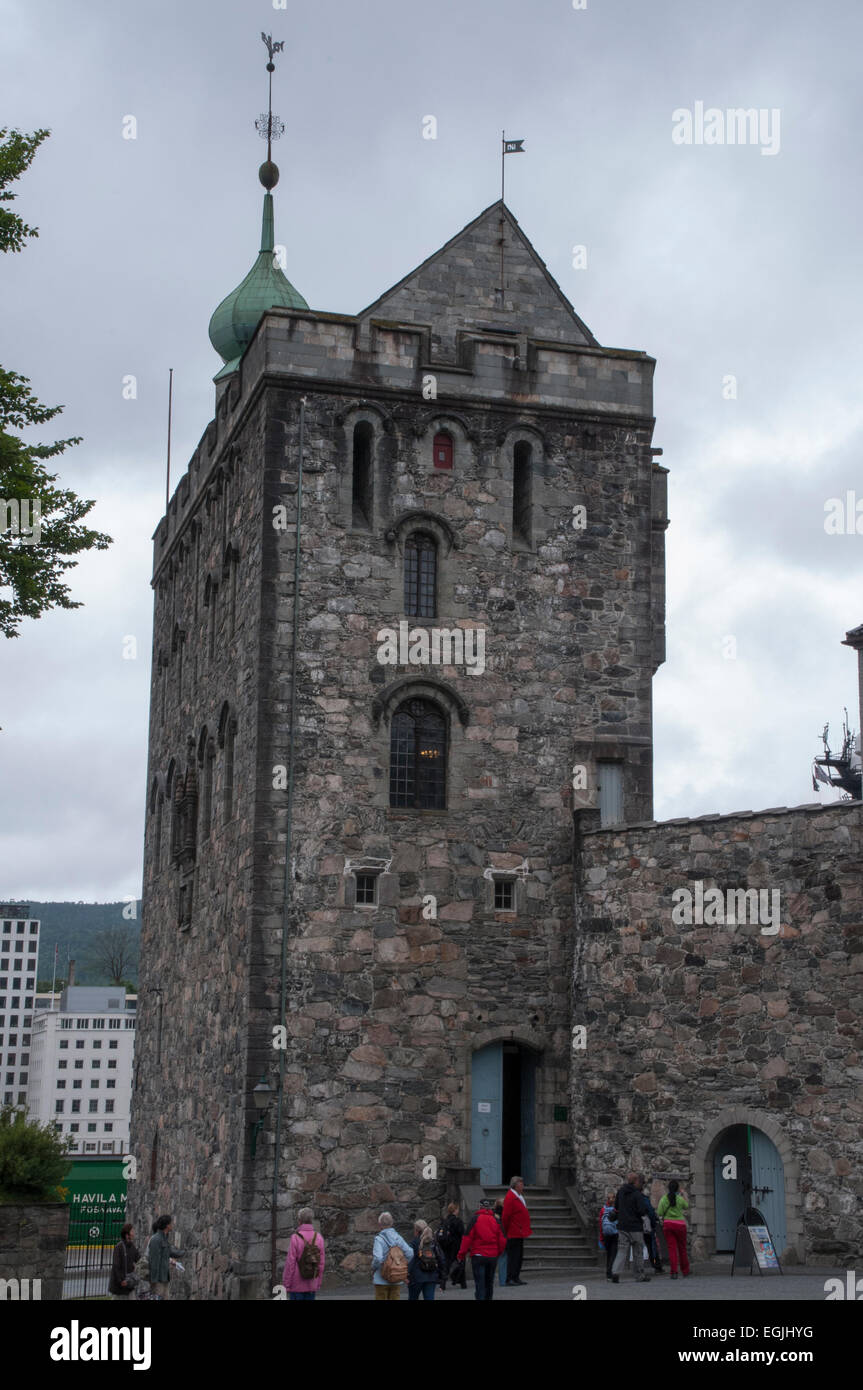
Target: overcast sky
718, 260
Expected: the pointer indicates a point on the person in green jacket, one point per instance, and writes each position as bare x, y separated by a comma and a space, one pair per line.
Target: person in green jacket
161, 1255
672, 1211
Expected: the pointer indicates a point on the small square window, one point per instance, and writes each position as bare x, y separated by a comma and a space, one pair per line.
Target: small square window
504, 895
367, 890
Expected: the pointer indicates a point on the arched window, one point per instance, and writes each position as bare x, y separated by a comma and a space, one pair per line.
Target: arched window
227, 734
442, 450
362, 474
157, 802
170, 788
206, 754
521, 489
211, 595
177, 649
420, 575
418, 756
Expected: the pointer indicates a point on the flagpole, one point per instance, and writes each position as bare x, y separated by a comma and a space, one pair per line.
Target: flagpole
502, 185
502, 161
54, 976
168, 463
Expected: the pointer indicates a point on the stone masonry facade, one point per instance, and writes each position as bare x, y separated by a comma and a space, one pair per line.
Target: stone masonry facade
386, 1005
694, 1028
387, 1002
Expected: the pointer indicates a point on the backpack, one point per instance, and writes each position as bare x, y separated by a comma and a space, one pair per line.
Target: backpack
309, 1263
395, 1267
427, 1254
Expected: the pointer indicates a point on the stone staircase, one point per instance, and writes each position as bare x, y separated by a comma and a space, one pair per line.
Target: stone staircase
558, 1244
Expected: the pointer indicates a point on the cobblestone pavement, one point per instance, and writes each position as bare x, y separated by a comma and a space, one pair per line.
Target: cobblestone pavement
708, 1283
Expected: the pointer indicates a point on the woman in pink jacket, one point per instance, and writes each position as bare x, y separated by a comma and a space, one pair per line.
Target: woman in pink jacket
304, 1266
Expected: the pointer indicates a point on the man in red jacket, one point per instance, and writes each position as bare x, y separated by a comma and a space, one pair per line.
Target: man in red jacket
484, 1242
516, 1226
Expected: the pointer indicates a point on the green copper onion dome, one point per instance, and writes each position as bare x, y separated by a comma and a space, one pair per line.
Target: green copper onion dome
265, 287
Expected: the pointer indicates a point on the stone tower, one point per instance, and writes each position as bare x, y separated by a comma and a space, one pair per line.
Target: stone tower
409, 601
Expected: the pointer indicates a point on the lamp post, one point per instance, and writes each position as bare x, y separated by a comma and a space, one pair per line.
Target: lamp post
262, 1095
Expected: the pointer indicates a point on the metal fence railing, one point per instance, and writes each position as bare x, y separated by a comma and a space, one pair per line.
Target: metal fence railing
93, 1233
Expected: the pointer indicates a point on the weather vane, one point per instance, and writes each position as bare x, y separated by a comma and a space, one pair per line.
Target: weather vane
268, 126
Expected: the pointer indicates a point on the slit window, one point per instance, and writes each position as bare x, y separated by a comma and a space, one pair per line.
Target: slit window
362, 475
521, 488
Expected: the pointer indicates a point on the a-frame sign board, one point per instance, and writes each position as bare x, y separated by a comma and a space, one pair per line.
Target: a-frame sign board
754, 1246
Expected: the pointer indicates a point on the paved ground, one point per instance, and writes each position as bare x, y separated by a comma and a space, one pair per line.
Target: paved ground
708, 1282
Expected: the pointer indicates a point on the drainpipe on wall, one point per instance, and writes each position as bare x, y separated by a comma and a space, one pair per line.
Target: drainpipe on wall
289, 876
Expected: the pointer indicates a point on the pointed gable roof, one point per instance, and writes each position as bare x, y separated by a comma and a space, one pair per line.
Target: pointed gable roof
459, 288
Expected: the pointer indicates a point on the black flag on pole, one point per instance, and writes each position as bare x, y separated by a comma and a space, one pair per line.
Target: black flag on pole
514, 147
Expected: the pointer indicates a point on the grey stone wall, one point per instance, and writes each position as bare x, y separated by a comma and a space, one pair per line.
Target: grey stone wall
386, 1005
33, 1239
458, 287
694, 1028
192, 1095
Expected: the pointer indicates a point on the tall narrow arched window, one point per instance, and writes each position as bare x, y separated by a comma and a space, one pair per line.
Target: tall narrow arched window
227, 734
206, 754
362, 474
177, 650
442, 450
418, 757
157, 802
420, 575
521, 491
211, 594
173, 811
232, 561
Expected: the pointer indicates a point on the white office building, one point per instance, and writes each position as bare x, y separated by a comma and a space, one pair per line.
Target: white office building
81, 1067
19, 954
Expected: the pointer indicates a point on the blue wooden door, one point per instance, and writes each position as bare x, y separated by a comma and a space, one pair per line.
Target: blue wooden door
768, 1171
486, 1103
728, 1192
528, 1117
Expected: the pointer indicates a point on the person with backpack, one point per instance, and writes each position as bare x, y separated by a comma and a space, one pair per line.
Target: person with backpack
608, 1237
448, 1238
631, 1213
672, 1211
304, 1266
390, 1256
485, 1242
427, 1269
651, 1225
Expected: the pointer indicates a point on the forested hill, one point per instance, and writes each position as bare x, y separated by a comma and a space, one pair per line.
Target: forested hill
78, 929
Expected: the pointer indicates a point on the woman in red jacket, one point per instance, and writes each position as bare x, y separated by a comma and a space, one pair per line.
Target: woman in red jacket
516, 1226
484, 1241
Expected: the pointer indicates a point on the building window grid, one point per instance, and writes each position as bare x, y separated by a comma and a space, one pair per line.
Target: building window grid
418, 757
420, 575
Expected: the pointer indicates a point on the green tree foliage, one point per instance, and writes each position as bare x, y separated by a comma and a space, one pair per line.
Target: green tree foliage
32, 563
33, 1159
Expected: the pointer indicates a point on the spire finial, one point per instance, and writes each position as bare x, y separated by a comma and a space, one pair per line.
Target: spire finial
268, 126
